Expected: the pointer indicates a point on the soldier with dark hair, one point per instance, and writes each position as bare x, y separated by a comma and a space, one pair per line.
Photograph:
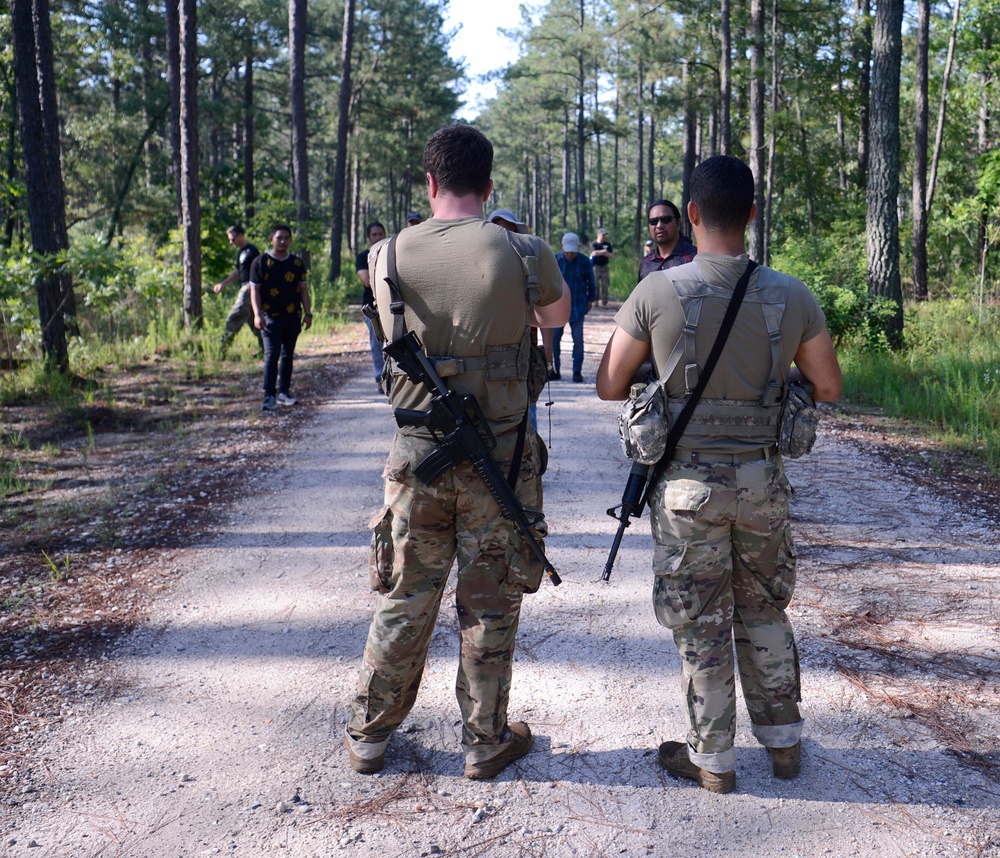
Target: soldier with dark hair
723, 561
463, 290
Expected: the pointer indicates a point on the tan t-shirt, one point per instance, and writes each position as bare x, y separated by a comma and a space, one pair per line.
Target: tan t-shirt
463, 286
653, 314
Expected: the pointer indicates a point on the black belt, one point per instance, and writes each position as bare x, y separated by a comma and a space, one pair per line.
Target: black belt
694, 457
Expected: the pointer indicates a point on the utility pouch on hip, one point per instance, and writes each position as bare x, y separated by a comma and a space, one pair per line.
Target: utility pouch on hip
381, 555
644, 423
538, 373
799, 420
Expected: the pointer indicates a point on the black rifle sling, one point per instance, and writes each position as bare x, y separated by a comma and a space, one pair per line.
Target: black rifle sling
397, 307
677, 430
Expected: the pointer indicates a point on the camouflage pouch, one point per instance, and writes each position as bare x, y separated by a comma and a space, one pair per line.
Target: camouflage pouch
799, 420
381, 555
538, 373
644, 423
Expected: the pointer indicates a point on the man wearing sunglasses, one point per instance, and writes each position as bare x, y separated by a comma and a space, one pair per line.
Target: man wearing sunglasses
672, 248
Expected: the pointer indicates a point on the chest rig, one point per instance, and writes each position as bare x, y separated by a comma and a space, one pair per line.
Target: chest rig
746, 420
499, 362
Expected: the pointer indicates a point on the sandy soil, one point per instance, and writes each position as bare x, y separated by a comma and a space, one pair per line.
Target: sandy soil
221, 733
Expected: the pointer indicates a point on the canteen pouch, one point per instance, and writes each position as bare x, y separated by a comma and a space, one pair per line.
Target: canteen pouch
799, 420
644, 423
380, 557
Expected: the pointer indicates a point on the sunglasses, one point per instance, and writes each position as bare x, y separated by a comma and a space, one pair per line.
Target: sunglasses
665, 220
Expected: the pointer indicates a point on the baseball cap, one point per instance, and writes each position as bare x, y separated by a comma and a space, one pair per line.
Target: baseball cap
602, 231
571, 242
414, 216
510, 217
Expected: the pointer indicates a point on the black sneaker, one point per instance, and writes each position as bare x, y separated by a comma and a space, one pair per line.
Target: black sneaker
578, 377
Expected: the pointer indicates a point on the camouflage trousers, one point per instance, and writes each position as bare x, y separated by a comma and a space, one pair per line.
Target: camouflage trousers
416, 538
240, 314
725, 570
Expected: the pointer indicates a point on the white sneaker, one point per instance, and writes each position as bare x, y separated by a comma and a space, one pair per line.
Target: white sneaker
285, 399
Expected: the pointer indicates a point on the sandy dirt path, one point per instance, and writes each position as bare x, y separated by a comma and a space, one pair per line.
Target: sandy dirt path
223, 735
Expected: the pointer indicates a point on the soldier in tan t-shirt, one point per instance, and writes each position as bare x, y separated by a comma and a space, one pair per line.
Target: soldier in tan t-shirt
723, 561
466, 295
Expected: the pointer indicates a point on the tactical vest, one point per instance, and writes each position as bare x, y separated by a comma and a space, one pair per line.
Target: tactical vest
499, 362
745, 420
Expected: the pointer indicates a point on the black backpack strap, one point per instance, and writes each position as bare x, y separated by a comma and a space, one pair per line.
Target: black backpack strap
677, 430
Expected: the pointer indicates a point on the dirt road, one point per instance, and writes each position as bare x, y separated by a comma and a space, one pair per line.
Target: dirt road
223, 735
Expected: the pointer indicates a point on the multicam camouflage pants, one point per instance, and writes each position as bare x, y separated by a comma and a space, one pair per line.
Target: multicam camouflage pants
425, 528
725, 570
241, 314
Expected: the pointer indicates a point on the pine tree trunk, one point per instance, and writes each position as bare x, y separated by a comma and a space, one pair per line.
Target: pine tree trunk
28, 19
297, 74
755, 242
883, 177
249, 193
919, 241
190, 192
343, 129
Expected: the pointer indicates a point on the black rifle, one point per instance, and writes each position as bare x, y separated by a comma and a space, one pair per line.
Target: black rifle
630, 507
465, 437
642, 478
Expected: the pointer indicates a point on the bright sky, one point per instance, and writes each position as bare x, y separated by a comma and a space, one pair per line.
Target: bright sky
479, 45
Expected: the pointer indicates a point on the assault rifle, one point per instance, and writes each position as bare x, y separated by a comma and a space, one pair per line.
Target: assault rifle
630, 507
465, 434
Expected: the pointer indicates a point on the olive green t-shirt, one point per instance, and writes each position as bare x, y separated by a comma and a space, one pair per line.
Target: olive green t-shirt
653, 314
464, 290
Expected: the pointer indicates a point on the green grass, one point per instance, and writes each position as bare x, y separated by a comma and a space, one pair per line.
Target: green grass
946, 382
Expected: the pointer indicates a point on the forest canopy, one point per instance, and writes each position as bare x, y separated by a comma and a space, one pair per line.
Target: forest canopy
135, 132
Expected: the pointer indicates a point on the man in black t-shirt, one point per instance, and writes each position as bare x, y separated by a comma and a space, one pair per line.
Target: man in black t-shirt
600, 256
242, 311
374, 232
280, 295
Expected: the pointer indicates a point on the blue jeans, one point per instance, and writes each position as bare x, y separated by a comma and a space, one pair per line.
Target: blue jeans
280, 334
378, 361
576, 328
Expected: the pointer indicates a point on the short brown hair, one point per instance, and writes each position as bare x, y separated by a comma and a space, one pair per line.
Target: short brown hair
460, 159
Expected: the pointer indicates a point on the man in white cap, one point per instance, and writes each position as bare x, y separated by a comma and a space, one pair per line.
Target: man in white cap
578, 275
600, 257
508, 220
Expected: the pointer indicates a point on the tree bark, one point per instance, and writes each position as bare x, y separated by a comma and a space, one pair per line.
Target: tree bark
33, 72
249, 193
755, 242
171, 12
883, 178
772, 136
343, 129
190, 192
296, 67
919, 239
939, 134
863, 61
640, 208
725, 72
